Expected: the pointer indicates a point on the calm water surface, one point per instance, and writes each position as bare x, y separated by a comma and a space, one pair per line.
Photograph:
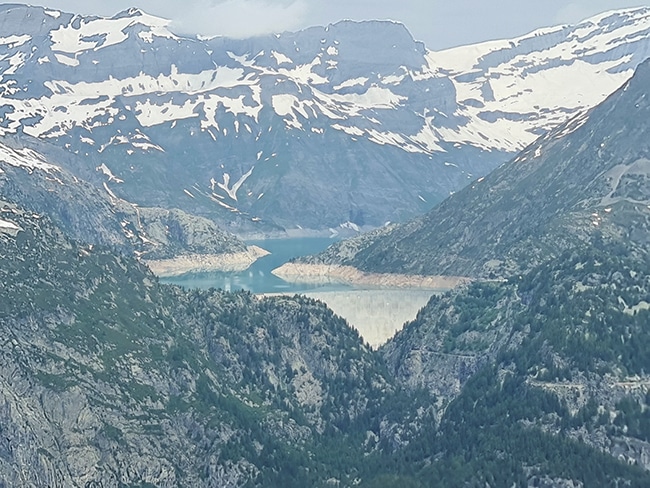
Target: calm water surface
377, 313
258, 278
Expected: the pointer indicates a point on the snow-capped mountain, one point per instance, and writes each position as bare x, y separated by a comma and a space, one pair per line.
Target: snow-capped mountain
352, 124
584, 184
513, 90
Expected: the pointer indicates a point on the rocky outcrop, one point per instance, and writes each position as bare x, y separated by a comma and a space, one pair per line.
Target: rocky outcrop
540, 330
98, 217
108, 378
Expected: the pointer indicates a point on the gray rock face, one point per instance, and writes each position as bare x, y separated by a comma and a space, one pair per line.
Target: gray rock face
350, 123
109, 379
98, 217
440, 350
586, 179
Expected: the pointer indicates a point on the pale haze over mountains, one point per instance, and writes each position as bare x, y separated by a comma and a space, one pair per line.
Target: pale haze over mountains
438, 24
125, 142
347, 126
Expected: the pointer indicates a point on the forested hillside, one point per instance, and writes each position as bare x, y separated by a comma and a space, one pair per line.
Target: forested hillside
109, 377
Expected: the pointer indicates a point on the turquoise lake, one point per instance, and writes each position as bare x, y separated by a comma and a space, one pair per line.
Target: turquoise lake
258, 278
377, 313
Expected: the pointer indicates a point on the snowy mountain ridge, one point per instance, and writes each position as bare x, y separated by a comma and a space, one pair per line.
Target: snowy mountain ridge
484, 77
126, 93
534, 82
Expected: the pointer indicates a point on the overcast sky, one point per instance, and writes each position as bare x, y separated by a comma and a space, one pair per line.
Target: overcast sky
438, 23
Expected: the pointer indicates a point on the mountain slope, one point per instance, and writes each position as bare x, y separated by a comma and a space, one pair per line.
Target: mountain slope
98, 217
561, 351
587, 179
354, 123
107, 377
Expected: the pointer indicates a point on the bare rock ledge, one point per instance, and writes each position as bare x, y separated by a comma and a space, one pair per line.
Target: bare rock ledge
329, 273
198, 263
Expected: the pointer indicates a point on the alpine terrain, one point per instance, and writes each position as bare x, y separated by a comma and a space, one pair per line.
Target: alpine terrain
558, 342
586, 180
344, 126
169, 240
124, 144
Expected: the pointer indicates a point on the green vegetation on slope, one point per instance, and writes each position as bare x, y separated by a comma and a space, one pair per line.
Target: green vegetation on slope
163, 386
553, 367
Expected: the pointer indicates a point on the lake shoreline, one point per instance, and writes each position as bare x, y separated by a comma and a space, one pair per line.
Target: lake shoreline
205, 263
377, 305
337, 274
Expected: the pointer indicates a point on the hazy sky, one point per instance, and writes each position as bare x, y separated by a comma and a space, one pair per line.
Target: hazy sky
438, 23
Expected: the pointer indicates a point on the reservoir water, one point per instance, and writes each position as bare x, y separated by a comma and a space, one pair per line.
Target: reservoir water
258, 277
377, 313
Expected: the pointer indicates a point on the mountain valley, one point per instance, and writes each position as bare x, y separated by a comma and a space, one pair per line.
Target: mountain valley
124, 146
585, 180
110, 379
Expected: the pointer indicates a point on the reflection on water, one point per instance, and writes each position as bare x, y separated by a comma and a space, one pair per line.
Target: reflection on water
258, 277
376, 314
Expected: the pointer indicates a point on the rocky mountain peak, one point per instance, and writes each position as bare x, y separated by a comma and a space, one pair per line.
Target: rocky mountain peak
586, 180
239, 123
130, 12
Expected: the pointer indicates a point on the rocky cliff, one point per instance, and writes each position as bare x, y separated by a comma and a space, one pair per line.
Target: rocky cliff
99, 217
353, 124
587, 179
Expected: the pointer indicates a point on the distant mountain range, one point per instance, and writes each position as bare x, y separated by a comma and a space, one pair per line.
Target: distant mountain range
350, 125
586, 180
535, 377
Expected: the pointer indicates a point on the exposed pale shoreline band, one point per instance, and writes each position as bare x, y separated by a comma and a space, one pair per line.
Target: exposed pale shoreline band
199, 263
328, 273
